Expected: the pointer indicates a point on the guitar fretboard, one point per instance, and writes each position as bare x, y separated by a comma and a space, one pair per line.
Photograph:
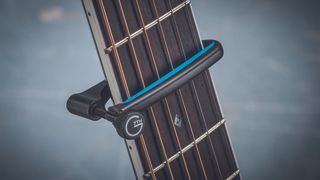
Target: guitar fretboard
185, 135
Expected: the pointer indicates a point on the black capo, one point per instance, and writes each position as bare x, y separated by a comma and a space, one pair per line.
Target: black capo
126, 116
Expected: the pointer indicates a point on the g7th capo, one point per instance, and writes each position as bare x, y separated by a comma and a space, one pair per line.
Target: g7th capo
126, 117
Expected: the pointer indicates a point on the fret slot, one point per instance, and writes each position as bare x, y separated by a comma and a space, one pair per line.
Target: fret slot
148, 26
188, 147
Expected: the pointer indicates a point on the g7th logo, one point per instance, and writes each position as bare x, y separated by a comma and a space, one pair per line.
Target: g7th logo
134, 125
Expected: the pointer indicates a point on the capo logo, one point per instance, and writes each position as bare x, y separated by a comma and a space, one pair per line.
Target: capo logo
134, 125
137, 123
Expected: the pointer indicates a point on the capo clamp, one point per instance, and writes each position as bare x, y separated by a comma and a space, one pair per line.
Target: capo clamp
126, 116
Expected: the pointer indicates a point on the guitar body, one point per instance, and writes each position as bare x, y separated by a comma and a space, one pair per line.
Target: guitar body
185, 136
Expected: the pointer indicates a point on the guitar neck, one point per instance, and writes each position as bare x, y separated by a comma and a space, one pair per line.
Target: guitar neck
138, 42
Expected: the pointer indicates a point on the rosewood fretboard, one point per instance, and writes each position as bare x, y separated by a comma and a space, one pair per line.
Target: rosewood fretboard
185, 135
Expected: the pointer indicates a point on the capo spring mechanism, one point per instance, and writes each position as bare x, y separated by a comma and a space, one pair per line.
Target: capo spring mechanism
90, 104
127, 116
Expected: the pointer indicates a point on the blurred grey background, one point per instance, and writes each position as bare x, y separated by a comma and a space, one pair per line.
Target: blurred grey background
268, 83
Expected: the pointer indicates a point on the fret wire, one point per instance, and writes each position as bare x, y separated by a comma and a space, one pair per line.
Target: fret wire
193, 87
179, 7
165, 101
163, 17
148, 26
153, 23
134, 55
124, 82
233, 175
135, 34
189, 146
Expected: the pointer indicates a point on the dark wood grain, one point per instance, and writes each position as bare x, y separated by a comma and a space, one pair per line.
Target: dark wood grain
171, 42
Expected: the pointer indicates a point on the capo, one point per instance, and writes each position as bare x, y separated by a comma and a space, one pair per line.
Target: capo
126, 116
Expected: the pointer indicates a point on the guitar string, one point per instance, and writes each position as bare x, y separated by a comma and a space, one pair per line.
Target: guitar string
122, 76
176, 33
207, 77
180, 96
213, 97
165, 101
193, 86
140, 75
116, 53
223, 130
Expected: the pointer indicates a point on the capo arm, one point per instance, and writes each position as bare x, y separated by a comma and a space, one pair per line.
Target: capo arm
125, 116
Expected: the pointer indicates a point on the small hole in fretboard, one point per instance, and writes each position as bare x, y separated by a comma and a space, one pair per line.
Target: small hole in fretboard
130, 147
89, 14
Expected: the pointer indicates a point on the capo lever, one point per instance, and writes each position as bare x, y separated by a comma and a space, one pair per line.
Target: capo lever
90, 104
126, 116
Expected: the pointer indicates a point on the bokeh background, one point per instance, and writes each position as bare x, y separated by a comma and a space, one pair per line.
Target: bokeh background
268, 84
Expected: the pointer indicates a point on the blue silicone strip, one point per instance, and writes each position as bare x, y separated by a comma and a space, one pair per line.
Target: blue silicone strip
170, 74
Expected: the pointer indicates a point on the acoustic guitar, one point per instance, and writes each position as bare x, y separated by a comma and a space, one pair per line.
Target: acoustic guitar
165, 104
